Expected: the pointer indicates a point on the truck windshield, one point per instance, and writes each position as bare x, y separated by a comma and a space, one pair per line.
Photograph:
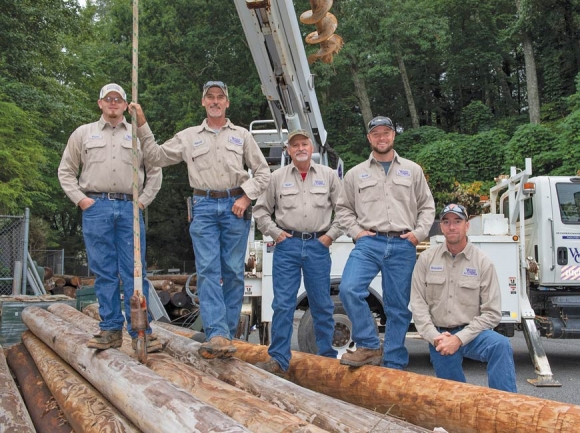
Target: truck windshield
569, 202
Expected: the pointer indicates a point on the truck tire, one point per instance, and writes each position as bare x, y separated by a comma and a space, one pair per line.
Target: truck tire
342, 330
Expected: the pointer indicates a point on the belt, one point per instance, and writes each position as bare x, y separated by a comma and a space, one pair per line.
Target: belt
224, 193
456, 328
305, 236
390, 234
110, 195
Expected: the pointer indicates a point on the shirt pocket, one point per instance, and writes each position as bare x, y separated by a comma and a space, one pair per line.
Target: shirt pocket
200, 158
289, 198
468, 294
320, 197
235, 154
435, 287
368, 191
402, 188
127, 152
95, 152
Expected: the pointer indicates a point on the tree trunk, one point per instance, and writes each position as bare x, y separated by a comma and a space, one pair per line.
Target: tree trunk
84, 407
360, 90
151, 402
531, 74
407, 87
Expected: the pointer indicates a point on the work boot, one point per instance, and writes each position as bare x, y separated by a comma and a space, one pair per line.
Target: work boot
217, 347
362, 356
105, 340
153, 344
272, 366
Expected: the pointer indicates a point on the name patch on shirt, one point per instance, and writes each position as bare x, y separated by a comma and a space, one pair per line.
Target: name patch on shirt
127, 137
318, 182
404, 173
96, 137
364, 176
198, 143
436, 268
235, 140
288, 185
470, 272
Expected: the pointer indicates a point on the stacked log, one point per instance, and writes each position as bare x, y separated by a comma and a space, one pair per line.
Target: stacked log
63, 285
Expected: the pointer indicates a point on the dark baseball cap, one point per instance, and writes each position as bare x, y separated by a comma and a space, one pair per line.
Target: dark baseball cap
380, 121
457, 209
211, 84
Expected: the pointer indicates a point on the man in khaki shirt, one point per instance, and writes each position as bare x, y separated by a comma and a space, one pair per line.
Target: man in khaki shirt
217, 153
456, 303
302, 197
104, 191
387, 208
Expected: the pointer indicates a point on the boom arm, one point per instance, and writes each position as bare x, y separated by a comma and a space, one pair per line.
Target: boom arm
271, 29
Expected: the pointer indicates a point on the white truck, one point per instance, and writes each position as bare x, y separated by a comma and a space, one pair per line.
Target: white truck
532, 234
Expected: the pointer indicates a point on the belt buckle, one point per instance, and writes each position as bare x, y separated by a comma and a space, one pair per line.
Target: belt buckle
109, 196
307, 236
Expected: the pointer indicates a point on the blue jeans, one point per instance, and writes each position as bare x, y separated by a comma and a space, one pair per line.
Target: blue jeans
220, 240
490, 347
108, 235
292, 258
395, 259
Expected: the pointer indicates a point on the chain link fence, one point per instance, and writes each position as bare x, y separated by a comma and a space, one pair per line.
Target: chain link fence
13, 250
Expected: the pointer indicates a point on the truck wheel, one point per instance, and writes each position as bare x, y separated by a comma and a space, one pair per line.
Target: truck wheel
342, 331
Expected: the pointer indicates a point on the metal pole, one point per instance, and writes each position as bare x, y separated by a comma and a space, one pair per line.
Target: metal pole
25, 250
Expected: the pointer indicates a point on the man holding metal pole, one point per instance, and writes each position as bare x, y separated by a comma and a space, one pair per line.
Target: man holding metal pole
217, 153
103, 191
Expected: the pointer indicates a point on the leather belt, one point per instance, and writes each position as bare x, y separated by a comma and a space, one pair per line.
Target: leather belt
110, 195
390, 234
305, 236
224, 193
455, 328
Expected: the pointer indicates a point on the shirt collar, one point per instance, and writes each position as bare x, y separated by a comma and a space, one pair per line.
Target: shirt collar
103, 123
205, 126
467, 251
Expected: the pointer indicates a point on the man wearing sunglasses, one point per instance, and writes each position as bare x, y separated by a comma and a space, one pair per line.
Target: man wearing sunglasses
217, 153
104, 192
456, 304
387, 208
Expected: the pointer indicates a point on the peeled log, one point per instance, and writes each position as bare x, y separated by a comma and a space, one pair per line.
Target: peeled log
424, 400
84, 407
321, 410
41, 404
14, 417
152, 403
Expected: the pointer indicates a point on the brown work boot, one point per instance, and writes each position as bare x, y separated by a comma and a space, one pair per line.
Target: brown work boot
217, 347
105, 340
153, 344
362, 356
272, 366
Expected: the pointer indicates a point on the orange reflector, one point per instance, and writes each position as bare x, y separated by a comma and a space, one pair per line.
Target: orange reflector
515, 238
529, 188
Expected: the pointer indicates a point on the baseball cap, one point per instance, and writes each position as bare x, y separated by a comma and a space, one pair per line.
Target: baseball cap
211, 84
457, 209
298, 132
112, 87
381, 121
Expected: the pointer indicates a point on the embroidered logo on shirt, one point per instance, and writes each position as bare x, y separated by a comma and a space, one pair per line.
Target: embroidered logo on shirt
470, 272
436, 268
404, 173
318, 182
96, 137
198, 143
288, 185
364, 176
235, 140
127, 137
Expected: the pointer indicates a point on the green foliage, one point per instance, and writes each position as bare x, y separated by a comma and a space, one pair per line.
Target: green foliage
569, 145
537, 142
476, 117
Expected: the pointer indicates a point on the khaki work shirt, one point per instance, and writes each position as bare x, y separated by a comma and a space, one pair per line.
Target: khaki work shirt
397, 201
106, 156
215, 161
304, 206
448, 292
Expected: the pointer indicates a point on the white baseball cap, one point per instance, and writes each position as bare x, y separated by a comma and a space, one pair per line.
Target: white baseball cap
112, 87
